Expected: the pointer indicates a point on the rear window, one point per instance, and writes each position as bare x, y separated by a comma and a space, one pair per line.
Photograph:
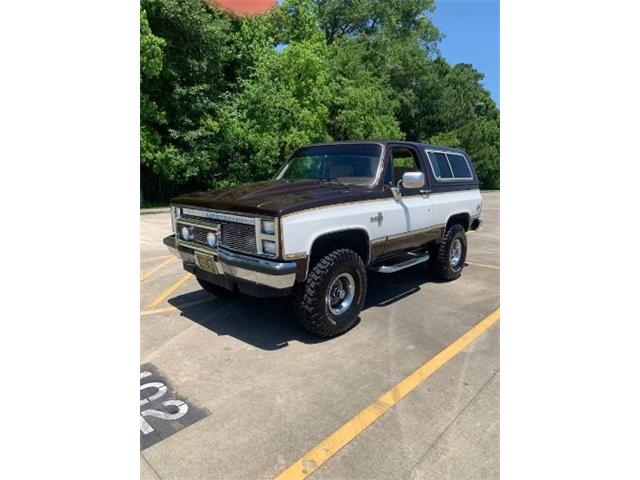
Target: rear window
440, 165
459, 166
449, 166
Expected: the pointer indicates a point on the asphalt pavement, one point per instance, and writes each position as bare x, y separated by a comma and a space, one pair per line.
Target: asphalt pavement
232, 388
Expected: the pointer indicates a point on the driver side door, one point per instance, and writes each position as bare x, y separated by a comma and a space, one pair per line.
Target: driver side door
410, 218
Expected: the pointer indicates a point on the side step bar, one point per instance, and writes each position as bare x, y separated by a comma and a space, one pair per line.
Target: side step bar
414, 259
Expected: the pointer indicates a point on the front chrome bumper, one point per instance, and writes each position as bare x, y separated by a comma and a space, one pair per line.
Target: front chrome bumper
277, 275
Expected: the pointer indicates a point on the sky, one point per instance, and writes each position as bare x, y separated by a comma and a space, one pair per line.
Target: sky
472, 35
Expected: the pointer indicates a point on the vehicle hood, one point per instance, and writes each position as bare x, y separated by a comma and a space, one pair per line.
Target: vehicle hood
275, 197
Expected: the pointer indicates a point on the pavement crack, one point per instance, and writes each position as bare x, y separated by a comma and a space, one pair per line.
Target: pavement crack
450, 424
150, 466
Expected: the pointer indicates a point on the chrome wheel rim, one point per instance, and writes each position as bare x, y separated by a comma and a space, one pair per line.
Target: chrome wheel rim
456, 253
341, 293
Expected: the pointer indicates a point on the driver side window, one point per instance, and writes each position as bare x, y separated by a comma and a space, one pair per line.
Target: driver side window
402, 160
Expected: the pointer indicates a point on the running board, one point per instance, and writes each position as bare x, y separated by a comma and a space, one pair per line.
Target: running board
396, 267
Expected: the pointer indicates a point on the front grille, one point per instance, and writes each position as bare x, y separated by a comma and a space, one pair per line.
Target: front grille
240, 237
200, 235
234, 236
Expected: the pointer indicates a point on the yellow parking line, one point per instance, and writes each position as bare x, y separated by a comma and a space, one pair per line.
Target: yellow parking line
483, 265
167, 293
171, 308
326, 449
161, 257
147, 274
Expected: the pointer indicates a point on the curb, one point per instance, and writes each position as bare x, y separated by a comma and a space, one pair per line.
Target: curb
149, 211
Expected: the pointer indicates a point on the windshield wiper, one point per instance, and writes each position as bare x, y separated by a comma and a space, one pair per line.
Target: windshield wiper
335, 181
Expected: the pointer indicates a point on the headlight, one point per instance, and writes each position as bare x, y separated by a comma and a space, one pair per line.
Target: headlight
186, 233
212, 239
268, 227
269, 247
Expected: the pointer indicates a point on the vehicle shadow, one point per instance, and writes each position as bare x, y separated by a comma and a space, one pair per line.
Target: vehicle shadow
388, 288
265, 323
269, 324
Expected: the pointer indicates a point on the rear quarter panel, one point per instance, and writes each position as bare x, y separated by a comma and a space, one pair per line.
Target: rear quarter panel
448, 204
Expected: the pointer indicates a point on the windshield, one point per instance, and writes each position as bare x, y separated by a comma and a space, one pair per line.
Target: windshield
348, 164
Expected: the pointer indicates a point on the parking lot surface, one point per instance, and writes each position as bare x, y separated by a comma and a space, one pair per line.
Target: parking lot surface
233, 388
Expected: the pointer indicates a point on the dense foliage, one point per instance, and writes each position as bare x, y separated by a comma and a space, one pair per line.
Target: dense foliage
225, 100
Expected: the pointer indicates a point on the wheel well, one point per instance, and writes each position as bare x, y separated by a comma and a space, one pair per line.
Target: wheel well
355, 239
463, 219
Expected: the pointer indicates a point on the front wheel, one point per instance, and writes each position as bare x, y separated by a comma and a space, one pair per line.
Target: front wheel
450, 254
329, 302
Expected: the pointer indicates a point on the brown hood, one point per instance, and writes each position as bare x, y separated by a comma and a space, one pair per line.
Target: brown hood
277, 197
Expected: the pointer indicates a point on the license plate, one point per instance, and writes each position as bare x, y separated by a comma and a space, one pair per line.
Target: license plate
206, 262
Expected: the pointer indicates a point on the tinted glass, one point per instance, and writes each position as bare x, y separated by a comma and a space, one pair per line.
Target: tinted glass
353, 163
459, 166
440, 165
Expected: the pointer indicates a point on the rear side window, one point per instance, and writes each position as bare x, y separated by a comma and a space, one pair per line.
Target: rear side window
459, 166
449, 166
440, 165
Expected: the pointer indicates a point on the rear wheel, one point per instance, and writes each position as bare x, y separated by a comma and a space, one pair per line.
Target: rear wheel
329, 302
450, 254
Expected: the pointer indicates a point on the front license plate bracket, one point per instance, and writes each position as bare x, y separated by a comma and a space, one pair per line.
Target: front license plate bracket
207, 262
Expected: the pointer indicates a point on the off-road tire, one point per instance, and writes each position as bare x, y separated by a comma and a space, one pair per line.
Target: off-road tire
441, 264
214, 289
309, 297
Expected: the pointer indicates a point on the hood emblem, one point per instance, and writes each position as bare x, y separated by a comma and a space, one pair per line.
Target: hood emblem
377, 219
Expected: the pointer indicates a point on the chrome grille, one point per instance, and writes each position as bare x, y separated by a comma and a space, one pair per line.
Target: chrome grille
200, 235
234, 236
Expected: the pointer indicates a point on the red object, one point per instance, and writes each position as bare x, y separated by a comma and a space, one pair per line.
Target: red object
244, 7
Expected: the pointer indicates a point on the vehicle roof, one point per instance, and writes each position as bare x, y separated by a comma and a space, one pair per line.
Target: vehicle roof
387, 142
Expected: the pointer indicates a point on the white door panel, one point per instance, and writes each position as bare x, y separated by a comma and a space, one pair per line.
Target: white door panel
410, 213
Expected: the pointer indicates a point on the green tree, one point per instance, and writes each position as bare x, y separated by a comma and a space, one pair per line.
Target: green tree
481, 140
281, 106
446, 139
465, 109
151, 56
225, 100
186, 88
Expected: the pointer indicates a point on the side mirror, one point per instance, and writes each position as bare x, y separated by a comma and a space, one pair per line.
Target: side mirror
409, 180
413, 180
